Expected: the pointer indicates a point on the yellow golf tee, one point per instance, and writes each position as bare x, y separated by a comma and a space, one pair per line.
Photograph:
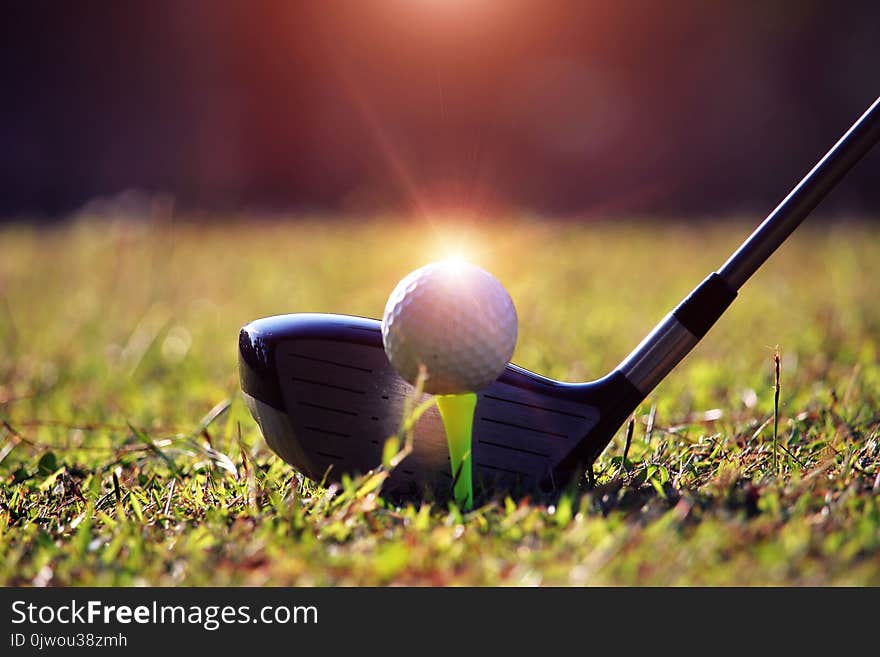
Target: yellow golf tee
457, 412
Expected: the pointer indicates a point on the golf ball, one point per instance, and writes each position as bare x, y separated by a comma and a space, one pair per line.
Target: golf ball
455, 319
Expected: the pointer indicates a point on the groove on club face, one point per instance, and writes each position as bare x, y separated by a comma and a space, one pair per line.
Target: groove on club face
327, 399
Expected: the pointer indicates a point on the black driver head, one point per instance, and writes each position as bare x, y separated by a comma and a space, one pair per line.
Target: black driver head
326, 399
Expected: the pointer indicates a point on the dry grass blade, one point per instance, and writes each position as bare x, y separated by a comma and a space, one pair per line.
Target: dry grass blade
776, 389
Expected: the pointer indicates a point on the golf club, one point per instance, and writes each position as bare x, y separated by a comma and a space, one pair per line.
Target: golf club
326, 398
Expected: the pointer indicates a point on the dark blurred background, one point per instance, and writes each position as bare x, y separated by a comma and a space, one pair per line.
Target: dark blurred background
415, 106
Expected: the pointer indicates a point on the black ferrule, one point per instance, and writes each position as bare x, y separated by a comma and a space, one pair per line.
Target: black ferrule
702, 307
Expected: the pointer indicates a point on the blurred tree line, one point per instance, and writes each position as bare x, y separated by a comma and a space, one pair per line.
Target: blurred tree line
674, 107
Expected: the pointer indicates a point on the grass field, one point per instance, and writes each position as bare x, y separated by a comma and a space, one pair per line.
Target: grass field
119, 338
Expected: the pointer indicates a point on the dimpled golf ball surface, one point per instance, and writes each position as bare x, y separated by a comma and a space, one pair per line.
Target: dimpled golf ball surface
455, 319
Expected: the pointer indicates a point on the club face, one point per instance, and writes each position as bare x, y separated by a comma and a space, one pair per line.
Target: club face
327, 399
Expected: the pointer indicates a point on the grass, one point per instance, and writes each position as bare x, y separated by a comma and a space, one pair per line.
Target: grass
127, 458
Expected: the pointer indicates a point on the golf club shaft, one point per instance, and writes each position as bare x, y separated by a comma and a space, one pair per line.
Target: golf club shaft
679, 332
761, 244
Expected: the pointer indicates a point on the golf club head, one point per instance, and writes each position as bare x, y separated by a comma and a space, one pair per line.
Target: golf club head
326, 399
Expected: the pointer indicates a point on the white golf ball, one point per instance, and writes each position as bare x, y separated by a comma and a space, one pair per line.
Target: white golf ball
455, 319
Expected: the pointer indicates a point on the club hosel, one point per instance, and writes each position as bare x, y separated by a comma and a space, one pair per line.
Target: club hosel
677, 334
